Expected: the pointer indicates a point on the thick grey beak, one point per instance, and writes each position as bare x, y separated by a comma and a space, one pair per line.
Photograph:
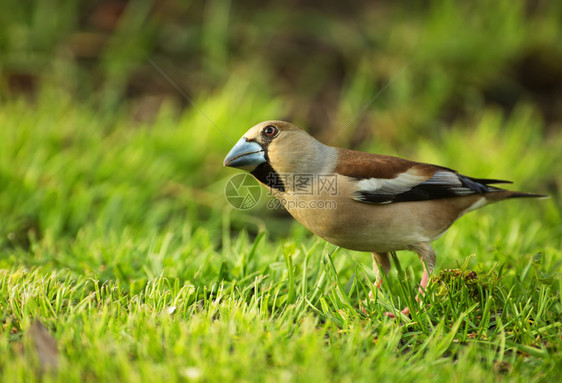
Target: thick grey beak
245, 155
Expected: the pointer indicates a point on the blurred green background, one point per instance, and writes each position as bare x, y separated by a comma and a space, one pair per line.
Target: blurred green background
319, 62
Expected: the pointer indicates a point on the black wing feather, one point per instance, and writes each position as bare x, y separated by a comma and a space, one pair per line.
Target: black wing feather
433, 189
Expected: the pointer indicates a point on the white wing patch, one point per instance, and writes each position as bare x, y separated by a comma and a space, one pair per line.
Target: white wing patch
404, 182
410, 186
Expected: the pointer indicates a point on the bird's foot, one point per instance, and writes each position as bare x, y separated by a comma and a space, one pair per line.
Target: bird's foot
378, 285
363, 308
405, 311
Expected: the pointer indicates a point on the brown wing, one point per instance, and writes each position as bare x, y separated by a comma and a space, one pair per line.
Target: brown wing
387, 179
363, 165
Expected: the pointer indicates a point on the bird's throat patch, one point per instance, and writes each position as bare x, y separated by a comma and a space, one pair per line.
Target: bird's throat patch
268, 176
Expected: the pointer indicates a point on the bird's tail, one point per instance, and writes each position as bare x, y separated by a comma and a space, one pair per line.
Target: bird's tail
501, 194
516, 194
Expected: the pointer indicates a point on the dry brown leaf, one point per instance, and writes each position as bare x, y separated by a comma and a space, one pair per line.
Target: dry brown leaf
44, 345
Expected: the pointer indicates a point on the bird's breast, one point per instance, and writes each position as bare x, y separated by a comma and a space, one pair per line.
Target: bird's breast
361, 226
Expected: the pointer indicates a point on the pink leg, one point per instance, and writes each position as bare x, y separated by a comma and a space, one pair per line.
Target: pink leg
427, 256
424, 281
380, 260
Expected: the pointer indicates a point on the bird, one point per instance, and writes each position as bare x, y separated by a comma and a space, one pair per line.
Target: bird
362, 201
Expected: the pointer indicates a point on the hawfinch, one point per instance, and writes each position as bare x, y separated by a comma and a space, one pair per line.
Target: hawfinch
362, 201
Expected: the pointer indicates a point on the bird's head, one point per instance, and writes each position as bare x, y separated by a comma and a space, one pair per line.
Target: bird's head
275, 147
277, 143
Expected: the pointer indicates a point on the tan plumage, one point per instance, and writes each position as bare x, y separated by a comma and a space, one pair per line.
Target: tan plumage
380, 204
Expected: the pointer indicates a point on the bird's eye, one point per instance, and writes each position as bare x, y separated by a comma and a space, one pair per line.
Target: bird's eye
270, 131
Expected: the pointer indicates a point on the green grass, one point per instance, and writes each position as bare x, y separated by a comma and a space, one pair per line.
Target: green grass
118, 238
